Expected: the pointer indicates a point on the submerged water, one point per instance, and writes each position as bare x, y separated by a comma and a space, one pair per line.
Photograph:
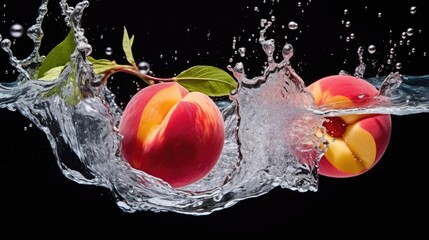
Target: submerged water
269, 121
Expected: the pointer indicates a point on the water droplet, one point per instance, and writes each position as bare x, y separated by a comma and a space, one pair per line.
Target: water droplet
413, 10
413, 50
263, 22
256, 9
287, 51
398, 65
352, 36
273, 18
346, 11
16, 30
379, 14
242, 51
5, 44
108, 51
217, 197
25, 128
392, 50
348, 24
372, 49
292, 25
234, 41
410, 31
299, 4
144, 67
361, 96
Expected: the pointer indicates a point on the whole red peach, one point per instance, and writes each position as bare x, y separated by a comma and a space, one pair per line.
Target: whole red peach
171, 133
357, 141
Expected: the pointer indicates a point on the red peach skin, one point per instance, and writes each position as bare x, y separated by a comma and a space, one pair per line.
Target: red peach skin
171, 133
356, 142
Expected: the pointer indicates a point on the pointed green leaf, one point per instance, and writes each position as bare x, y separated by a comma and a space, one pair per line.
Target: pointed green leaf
59, 55
210, 80
52, 73
101, 66
127, 43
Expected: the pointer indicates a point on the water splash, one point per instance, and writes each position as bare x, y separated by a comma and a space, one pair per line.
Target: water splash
270, 123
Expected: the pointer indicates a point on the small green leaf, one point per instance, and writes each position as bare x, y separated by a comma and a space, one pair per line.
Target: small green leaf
127, 43
52, 73
100, 66
59, 55
210, 80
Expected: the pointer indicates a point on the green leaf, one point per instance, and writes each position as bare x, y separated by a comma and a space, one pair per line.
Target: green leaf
127, 43
100, 66
59, 55
52, 73
210, 80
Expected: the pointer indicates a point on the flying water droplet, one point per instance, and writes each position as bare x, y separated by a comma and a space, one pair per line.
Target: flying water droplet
144, 67
372, 49
242, 51
292, 25
398, 65
410, 32
16, 30
108, 51
413, 10
287, 51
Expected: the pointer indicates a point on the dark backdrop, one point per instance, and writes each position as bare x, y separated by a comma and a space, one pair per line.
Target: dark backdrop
172, 36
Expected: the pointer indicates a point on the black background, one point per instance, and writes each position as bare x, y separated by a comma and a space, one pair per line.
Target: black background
393, 193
